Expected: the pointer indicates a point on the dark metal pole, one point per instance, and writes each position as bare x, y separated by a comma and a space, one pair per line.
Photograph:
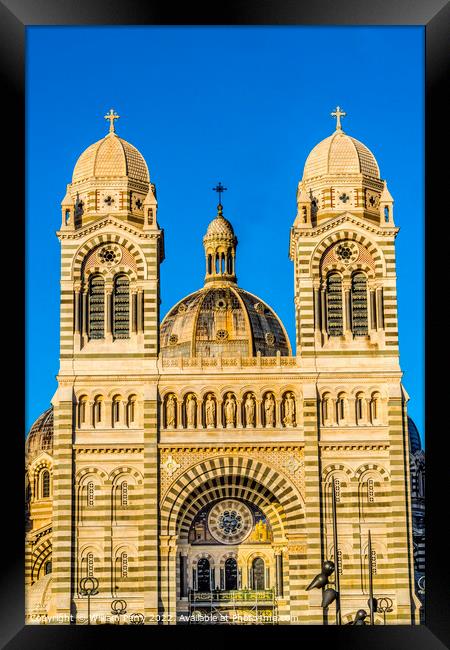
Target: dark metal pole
369, 552
336, 565
89, 608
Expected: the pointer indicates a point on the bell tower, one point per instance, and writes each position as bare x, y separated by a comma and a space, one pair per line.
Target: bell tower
342, 244
106, 402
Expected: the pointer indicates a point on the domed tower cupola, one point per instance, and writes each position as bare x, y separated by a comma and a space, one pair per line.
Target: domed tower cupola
110, 177
220, 248
342, 175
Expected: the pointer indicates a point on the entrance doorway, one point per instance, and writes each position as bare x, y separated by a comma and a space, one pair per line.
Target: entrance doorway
231, 581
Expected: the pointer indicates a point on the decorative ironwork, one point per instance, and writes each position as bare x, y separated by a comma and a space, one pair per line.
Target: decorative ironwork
97, 307
359, 305
89, 588
121, 308
334, 306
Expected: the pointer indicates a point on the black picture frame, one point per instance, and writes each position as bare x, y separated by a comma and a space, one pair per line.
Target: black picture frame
15, 16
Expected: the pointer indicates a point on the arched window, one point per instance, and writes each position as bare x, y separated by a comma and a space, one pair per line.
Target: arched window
131, 410
231, 574
82, 410
203, 575
116, 410
370, 490
45, 482
90, 565
334, 305
209, 264
121, 307
98, 410
337, 489
48, 567
341, 408
124, 565
360, 405
258, 574
375, 408
359, 305
124, 494
386, 213
90, 494
96, 307
326, 408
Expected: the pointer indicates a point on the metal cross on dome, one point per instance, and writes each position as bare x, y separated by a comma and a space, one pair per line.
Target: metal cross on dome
111, 116
338, 113
219, 188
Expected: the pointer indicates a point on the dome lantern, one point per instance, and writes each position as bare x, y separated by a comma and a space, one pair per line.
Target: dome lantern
220, 247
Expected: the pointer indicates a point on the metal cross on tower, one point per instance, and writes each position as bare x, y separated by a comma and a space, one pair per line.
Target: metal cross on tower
337, 113
111, 116
219, 188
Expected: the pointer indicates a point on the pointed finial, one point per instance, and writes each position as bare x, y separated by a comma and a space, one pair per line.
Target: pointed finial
111, 116
219, 188
338, 113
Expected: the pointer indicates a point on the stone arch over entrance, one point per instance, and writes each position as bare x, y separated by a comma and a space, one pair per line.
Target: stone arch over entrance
250, 474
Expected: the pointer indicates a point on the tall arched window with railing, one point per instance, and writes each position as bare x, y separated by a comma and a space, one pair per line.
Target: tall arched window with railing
96, 307
334, 305
360, 321
121, 307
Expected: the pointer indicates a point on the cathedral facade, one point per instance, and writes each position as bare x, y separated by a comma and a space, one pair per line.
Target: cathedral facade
186, 467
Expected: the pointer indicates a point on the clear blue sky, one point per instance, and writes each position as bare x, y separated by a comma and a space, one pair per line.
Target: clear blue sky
242, 105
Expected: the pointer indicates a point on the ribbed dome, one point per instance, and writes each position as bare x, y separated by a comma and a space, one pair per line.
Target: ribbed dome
340, 154
220, 226
222, 320
111, 157
40, 436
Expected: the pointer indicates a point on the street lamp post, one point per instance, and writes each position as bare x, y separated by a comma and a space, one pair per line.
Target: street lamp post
336, 558
119, 607
89, 587
384, 605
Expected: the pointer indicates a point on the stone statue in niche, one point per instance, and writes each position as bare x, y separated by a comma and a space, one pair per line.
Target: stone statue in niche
210, 412
289, 410
249, 411
170, 411
191, 408
269, 410
230, 410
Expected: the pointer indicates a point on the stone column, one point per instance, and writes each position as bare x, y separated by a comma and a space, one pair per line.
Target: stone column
258, 413
239, 413
278, 413
180, 414
373, 309
108, 311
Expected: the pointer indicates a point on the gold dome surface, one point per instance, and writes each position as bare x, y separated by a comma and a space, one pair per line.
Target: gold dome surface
111, 157
222, 320
340, 154
220, 226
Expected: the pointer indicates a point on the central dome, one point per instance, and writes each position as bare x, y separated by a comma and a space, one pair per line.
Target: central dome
340, 154
222, 320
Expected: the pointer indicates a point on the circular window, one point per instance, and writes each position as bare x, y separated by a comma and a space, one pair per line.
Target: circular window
230, 521
109, 255
221, 303
221, 335
182, 308
173, 339
347, 252
270, 339
259, 307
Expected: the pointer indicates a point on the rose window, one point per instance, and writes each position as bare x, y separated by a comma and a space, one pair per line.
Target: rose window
230, 521
221, 335
109, 255
347, 252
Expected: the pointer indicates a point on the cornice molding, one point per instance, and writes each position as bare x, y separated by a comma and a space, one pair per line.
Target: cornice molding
108, 221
